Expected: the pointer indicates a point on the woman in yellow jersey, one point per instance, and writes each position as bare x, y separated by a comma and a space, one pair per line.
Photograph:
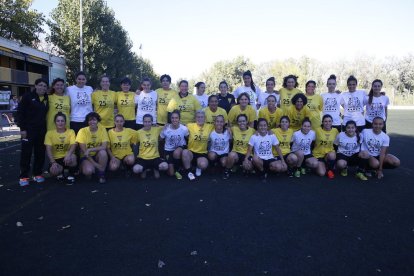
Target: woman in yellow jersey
284, 134
57, 103
120, 141
199, 132
125, 102
241, 135
212, 110
242, 107
60, 147
315, 103
298, 111
103, 102
93, 141
290, 84
186, 103
271, 113
149, 155
324, 147
165, 94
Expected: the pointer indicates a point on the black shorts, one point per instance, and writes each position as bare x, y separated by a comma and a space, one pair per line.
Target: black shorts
130, 124
85, 158
168, 154
76, 126
352, 160
138, 126
219, 156
197, 155
59, 161
266, 163
241, 158
307, 156
149, 163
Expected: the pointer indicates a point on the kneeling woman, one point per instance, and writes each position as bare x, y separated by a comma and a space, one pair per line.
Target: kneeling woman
60, 147
219, 142
324, 147
149, 155
302, 143
120, 141
262, 145
197, 145
284, 135
174, 135
93, 141
375, 144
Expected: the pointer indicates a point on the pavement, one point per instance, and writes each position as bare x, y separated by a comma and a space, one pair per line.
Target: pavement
243, 226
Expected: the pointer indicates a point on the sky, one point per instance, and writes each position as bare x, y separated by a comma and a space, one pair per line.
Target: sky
185, 38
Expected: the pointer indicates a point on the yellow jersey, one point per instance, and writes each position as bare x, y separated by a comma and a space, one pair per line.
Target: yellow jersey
285, 138
148, 143
211, 116
187, 106
126, 104
241, 139
324, 141
235, 111
286, 96
273, 119
57, 104
60, 142
296, 117
198, 137
315, 104
164, 98
120, 142
92, 139
104, 104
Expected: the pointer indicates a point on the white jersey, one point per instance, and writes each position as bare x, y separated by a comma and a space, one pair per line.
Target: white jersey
147, 104
353, 104
219, 142
80, 102
263, 145
203, 100
348, 145
174, 138
376, 108
252, 95
332, 106
262, 101
373, 143
303, 141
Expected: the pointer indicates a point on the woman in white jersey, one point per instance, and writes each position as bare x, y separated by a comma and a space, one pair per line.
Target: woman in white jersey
270, 90
200, 95
146, 103
250, 88
353, 102
332, 103
377, 105
219, 142
80, 102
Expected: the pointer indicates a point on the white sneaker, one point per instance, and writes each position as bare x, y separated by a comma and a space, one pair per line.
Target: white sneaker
191, 176
198, 172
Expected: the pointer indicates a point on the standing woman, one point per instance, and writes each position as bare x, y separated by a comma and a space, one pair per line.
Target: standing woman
200, 95
298, 111
284, 134
186, 103
242, 107
147, 103
290, 84
270, 90
315, 103
104, 101
324, 147
270, 112
93, 141
57, 103
120, 141
125, 102
31, 118
175, 135
219, 142
249, 88
377, 105
60, 148
165, 94
212, 110
332, 103
225, 99
353, 102
80, 102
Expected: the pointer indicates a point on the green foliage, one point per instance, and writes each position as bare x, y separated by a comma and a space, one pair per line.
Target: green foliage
107, 47
19, 23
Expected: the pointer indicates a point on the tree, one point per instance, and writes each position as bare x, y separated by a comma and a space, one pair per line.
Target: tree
19, 23
107, 47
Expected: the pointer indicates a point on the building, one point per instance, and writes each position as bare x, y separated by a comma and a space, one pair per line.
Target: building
21, 65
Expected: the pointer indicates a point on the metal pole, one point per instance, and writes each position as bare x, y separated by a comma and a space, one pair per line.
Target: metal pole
81, 36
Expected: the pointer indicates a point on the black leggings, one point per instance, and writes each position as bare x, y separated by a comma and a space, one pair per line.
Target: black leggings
34, 143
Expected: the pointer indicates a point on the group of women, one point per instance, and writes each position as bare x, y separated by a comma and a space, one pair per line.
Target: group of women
90, 132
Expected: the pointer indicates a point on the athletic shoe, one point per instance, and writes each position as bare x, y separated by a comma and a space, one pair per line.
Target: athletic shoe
303, 171
198, 172
344, 172
330, 174
70, 180
289, 172
60, 177
361, 176
297, 173
226, 174
368, 174
102, 180
191, 176
38, 179
24, 181
178, 175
